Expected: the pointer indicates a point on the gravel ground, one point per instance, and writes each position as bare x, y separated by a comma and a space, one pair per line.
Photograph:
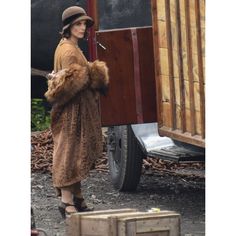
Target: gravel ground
158, 189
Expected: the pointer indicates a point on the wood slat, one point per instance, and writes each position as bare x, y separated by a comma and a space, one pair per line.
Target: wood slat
156, 46
170, 59
162, 34
190, 66
178, 103
201, 55
160, 9
180, 110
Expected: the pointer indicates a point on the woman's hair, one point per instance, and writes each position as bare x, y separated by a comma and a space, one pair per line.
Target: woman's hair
66, 33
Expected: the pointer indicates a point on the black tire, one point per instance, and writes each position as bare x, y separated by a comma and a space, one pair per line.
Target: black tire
125, 158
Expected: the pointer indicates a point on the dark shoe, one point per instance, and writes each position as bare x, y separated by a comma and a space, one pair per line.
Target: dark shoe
80, 204
63, 211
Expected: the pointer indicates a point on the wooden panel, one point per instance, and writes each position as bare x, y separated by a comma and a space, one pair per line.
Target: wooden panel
147, 77
162, 34
131, 97
179, 31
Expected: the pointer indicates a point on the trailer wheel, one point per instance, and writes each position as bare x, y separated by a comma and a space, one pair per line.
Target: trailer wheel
125, 158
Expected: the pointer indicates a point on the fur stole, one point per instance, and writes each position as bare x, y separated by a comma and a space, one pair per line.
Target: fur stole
99, 76
63, 85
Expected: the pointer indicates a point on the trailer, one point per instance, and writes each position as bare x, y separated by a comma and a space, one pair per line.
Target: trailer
155, 105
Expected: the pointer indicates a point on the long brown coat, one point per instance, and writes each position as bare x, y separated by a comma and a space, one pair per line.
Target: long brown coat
75, 125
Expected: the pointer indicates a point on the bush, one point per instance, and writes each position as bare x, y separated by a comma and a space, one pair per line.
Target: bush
40, 117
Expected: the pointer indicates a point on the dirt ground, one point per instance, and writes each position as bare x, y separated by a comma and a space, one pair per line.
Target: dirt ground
157, 189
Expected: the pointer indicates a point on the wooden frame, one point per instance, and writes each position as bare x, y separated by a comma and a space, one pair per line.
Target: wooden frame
178, 36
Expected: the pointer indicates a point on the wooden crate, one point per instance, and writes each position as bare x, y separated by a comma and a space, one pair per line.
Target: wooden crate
179, 44
124, 222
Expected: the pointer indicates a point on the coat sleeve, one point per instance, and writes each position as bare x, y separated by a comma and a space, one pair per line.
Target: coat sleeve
99, 76
66, 83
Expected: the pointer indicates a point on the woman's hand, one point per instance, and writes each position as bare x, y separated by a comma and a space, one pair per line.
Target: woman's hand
50, 75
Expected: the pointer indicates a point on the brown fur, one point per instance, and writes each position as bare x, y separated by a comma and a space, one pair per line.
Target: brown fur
99, 75
64, 84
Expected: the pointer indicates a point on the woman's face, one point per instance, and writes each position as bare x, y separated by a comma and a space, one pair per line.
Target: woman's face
78, 29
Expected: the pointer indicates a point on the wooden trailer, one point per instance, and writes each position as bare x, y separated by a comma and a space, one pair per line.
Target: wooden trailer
157, 87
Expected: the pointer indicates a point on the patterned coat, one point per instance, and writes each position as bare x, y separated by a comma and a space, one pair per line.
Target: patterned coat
75, 115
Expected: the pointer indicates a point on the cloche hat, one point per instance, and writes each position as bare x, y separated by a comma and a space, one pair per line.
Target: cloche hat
74, 14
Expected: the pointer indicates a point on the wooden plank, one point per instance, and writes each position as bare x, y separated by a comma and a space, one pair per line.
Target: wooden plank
185, 65
201, 55
180, 111
183, 137
131, 228
105, 215
156, 44
167, 113
177, 91
174, 30
188, 118
94, 227
182, 23
165, 88
147, 76
73, 226
199, 123
202, 13
137, 79
170, 60
160, 6
186, 94
112, 226
202, 27
167, 223
178, 117
178, 103
176, 61
195, 69
164, 61
197, 97
190, 66
102, 212
162, 35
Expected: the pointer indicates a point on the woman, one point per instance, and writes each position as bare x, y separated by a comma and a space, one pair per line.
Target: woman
74, 89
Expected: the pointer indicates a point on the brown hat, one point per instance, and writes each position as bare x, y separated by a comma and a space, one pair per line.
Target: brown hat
74, 14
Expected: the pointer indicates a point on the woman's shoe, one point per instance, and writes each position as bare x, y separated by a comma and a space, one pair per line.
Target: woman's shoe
63, 211
80, 204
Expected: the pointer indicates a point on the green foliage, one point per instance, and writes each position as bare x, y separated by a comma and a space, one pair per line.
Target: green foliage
40, 117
